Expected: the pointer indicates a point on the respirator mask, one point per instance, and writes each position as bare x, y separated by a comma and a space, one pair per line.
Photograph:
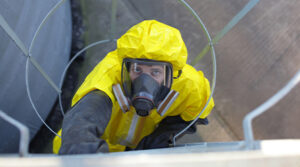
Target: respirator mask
146, 85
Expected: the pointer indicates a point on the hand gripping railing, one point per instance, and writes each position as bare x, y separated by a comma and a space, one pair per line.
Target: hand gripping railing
247, 123
24, 133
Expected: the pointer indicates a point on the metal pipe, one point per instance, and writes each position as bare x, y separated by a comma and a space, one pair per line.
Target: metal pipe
32, 60
29, 96
38, 67
247, 122
227, 28
24, 133
43, 22
10, 32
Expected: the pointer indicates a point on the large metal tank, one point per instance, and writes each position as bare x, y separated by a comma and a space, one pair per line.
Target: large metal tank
51, 50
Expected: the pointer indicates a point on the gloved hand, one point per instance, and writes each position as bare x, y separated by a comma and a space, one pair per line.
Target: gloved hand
163, 134
85, 123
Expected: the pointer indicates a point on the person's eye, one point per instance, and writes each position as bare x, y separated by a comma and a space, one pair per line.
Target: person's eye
156, 72
137, 70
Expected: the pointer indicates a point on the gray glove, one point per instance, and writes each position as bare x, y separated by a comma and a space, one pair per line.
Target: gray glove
85, 123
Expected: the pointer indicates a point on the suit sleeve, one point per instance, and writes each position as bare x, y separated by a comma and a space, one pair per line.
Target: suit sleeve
85, 123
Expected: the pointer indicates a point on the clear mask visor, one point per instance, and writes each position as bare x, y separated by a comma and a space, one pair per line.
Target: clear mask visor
161, 72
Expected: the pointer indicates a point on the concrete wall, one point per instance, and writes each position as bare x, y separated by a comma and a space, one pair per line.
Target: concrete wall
51, 50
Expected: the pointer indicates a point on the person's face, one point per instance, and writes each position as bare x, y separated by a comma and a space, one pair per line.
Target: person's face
155, 71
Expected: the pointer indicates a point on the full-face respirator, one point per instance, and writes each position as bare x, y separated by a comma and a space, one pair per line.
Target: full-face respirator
146, 86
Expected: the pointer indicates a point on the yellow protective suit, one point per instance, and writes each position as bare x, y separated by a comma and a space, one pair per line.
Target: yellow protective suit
147, 40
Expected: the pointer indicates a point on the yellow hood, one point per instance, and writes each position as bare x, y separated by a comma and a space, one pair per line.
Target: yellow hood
151, 39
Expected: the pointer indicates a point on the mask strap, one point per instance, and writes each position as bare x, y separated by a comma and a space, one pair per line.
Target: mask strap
122, 100
165, 75
167, 102
179, 74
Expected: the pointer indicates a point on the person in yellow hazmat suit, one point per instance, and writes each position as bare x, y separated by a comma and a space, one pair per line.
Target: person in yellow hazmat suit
137, 97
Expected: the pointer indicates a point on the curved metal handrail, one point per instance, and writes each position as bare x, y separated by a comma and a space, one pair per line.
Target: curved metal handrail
37, 66
214, 68
69, 64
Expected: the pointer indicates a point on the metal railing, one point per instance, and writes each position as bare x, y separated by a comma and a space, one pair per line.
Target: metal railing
247, 122
213, 57
24, 133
